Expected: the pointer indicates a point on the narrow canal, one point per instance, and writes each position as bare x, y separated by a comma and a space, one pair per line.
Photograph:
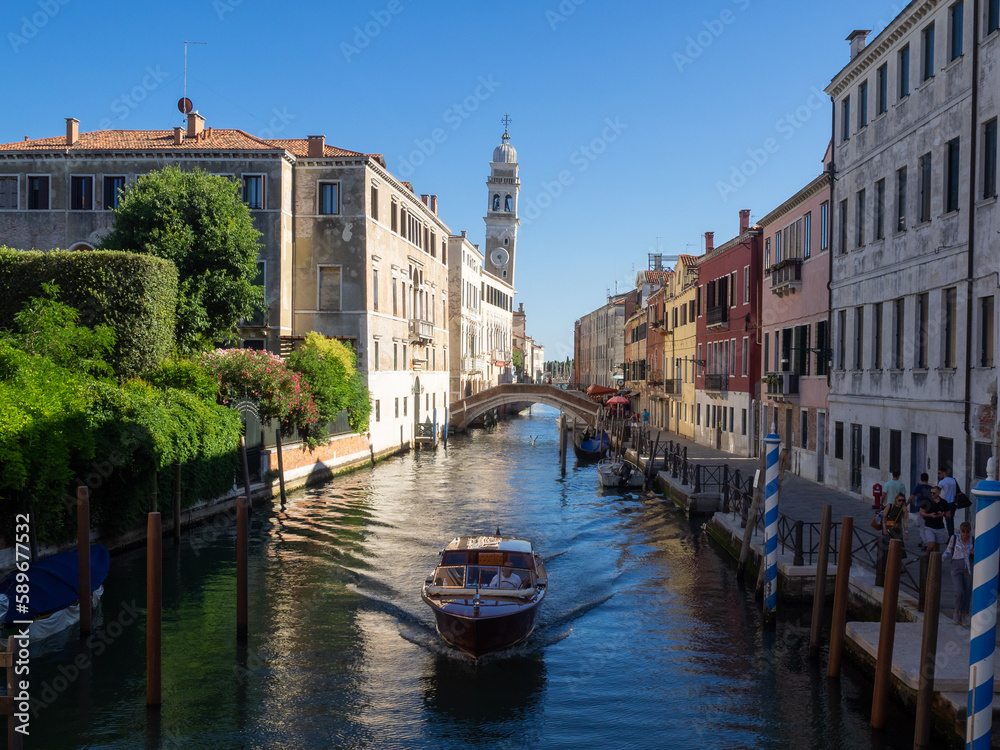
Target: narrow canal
646, 640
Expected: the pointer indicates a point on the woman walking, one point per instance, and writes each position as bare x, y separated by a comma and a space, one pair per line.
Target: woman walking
960, 550
894, 519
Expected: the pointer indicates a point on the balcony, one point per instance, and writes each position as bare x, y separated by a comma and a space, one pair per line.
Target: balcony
421, 331
472, 364
500, 357
672, 387
786, 277
718, 316
782, 386
716, 383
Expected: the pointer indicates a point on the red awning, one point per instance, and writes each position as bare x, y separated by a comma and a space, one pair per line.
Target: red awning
600, 390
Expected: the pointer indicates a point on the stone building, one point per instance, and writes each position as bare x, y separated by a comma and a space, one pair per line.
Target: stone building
915, 254
465, 316
679, 329
795, 325
728, 349
599, 344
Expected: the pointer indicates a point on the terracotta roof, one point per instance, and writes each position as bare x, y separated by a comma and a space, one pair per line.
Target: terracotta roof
145, 140
689, 260
300, 147
655, 277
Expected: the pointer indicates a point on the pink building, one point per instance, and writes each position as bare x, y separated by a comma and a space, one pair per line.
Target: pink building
795, 327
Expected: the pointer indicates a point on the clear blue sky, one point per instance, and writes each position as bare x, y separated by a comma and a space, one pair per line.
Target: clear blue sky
694, 91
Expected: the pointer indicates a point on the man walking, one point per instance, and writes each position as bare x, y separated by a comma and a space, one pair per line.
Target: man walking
893, 487
935, 513
949, 488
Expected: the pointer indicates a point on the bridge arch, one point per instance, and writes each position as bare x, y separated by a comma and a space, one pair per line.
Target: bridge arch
573, 403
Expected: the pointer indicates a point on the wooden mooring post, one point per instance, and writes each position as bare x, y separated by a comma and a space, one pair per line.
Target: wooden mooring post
241, 567
11, 704
928, 654
281, 465
838, 627
83, 558
154, 608
562, 443
887, 634
246, 473
819, 588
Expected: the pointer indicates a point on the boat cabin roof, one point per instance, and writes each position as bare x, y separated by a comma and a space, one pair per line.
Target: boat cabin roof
505, 544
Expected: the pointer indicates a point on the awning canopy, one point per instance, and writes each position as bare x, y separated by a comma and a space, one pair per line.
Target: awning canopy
600, 390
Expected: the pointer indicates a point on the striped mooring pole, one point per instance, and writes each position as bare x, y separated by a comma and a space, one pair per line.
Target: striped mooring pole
983, 638
772, 445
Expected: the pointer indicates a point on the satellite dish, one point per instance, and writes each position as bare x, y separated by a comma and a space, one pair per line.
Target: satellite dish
185, 106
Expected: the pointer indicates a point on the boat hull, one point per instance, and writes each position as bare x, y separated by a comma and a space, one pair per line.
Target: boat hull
609, 479
479, 633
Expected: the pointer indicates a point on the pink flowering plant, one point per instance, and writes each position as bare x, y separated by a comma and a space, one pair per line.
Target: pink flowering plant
264, 378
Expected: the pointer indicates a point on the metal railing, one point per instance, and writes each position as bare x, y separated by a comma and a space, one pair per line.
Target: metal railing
782, 383
786, 273
672, 386
716, 382
421, 330
718, 315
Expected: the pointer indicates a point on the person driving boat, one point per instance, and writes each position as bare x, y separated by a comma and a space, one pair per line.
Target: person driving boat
506, 578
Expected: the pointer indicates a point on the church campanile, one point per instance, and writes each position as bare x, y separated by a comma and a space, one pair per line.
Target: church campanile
501, 219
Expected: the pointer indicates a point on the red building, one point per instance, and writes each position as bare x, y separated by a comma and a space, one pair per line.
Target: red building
727, 382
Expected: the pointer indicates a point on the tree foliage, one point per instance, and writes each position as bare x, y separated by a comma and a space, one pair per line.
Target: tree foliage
199, 222
330, 368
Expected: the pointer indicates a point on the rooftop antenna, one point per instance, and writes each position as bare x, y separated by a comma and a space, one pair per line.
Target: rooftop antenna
185, 103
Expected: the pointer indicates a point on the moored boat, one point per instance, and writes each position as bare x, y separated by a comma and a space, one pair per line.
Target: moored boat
619, 474
485, 592
592, 447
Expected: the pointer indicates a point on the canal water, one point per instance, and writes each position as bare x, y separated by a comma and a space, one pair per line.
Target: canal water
646, 639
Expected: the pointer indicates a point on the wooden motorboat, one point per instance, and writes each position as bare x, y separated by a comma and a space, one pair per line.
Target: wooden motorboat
592, 447
619, 474
485, 592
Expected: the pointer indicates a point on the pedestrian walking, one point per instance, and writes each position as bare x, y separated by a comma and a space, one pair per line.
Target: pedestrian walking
892, 488
934, 512
960, 551
921, 495
894, 520
949, 489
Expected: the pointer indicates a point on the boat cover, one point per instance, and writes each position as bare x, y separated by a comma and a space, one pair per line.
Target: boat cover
54, 582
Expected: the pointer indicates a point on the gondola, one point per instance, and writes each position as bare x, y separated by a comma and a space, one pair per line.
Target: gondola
591, 447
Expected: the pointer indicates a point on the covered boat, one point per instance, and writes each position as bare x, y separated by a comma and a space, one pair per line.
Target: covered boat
485, 592
591, 447
619, 474
54, 592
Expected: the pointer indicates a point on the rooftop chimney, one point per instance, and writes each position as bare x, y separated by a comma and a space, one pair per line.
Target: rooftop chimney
710, 241
196, 123
464, 233
744, 219
426, 199
72, 131
317, 145
178, 135
858, 40
434, 204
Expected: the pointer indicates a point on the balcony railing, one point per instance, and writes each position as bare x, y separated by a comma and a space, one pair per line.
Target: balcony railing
782, 384
718, 316
472, 364
500, 357
672, 386
717, 383
421, 330
786, 277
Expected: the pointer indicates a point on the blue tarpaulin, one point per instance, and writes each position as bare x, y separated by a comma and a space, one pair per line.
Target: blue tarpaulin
54, 582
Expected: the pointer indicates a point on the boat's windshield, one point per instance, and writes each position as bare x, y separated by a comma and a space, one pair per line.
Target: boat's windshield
506, 577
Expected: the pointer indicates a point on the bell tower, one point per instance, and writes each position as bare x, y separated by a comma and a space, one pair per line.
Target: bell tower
503, 186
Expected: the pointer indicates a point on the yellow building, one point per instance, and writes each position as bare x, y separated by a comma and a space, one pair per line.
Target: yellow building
679, 346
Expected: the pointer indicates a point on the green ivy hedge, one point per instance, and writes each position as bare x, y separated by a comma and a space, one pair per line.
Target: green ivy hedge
134, 294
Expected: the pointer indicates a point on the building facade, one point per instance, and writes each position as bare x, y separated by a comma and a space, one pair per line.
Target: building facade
915, 255
468, 355
599, 349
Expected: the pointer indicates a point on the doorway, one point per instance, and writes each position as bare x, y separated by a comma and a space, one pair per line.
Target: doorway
820, 446
918, 457
856, 458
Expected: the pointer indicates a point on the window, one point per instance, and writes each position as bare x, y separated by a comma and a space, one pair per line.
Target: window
378, 410
895, 450
927, 53
395, 358
375, 201
842, 342
904, 71
882, 88
901, 199
375, 356
767, 349
375, 289
863, 105
732, 421
698, 416
397, 407
897, 334
746, 355
113, 189
880, 210
8, 194
921, 331
950, 300
993, 16
253, 191
874, 446
990, 159
329, 288
329, 198
743, 431
803, 428
859, 337
395, 296
746, 285
925, 188
822, 347
956, 15
986, 331
394, 218
859, 220
877, 336
81, 191
951, 176
767, 254
824, 225
838, 440
845, 117
843, 227
723, 418
807, 235
38, 192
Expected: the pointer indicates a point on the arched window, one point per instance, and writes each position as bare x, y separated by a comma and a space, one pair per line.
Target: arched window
507, 204
80, 246
496, 202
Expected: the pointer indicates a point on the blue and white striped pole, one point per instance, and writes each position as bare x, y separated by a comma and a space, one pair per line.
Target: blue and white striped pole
983, 638
772, 445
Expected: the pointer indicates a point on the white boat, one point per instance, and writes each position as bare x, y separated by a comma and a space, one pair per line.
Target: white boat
619, 474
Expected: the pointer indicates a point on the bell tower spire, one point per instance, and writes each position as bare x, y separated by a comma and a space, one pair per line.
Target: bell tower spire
503, 186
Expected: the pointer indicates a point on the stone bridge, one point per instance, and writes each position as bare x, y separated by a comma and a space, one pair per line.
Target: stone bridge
573, 403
